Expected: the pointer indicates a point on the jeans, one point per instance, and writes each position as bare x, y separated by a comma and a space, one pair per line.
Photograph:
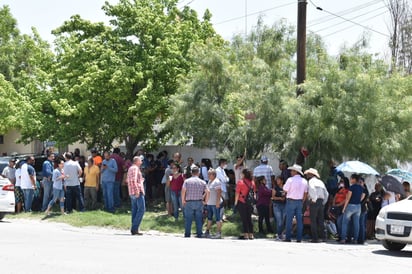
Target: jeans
352, 212
294, 208
28, 198
108, 187
193, 209
138, 209
280, 213
362, 227
317, 220
116, 194
57, 194
74, 192
176, 201
47, 193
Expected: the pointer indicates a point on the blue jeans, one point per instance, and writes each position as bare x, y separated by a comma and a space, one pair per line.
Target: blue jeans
138, 209
193, 209
74, 191
352, 212
28, 198
362, 227
47, 193
57, 194
279, 212
116, 194
108, 187
176, 201
294, 208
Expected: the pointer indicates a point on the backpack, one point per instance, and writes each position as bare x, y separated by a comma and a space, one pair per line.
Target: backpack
250, 197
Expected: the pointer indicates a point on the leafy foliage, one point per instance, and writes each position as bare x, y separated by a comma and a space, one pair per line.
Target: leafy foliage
243, 98
113, 82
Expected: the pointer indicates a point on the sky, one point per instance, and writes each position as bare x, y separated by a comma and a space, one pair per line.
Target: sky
231, 17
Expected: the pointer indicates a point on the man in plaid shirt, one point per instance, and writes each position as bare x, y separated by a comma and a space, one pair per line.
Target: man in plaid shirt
135, 182
193, 191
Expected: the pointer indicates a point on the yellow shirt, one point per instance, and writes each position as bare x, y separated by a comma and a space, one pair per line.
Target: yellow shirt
91, 176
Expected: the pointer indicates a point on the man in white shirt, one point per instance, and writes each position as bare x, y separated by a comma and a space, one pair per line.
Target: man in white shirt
318, 197
224, 180
73, 171
28, 182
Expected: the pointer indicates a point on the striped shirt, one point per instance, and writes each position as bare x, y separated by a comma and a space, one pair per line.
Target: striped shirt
135, 181
264, 170
195, 188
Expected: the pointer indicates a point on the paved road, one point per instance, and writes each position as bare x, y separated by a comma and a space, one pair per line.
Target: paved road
28, 246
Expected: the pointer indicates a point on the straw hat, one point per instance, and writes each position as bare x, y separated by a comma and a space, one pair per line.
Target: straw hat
312, 171
296, 168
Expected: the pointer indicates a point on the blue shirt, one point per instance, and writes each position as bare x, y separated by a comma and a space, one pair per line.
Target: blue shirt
57, 182
109, 173
47, 170
357, 191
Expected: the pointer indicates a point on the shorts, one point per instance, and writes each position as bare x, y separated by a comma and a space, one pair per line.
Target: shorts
212, 210
18, 193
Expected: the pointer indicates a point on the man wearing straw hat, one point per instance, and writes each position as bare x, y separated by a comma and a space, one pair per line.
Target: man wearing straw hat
318, 196
296, 188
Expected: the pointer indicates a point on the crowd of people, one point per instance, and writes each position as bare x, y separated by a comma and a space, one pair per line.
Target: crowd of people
341, 208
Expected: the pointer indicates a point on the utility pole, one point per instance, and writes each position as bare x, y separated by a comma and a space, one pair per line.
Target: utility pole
301, 45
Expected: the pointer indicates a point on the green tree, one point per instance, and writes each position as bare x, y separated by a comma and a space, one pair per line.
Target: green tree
229, 99
243, 96
114, 82
25, 62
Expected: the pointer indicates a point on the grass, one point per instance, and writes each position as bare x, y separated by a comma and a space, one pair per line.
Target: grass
155, 218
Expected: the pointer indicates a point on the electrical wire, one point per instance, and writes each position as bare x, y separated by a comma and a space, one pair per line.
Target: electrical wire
327, 18
255, 13
353, 22
367, 19
352, 18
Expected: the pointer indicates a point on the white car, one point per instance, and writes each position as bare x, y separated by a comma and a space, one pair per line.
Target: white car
7, 201
394, 224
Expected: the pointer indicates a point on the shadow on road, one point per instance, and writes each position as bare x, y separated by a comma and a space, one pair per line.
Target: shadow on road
403, 254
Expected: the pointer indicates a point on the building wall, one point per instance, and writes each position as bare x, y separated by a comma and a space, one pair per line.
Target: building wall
9, 145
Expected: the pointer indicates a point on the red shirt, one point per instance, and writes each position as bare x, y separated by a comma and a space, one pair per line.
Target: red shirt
242, 188
177, 183
340, 196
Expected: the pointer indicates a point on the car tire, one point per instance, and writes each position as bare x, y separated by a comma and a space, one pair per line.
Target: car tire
2, 214
392, 246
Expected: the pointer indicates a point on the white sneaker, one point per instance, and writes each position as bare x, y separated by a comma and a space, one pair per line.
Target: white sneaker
218, 236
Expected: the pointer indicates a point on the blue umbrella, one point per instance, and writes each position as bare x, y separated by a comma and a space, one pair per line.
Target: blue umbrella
400, 173
356, 167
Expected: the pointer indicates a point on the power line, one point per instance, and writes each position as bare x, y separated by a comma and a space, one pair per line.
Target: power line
255, 13
327, 18
352, 18
367, 19
353, 22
